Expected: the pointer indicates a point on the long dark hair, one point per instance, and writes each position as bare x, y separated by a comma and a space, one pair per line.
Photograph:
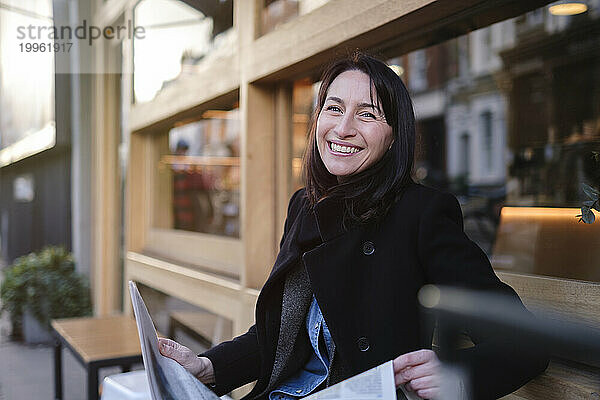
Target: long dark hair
368, 194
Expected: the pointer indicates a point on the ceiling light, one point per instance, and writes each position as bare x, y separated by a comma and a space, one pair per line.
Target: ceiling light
570, 8
397, 69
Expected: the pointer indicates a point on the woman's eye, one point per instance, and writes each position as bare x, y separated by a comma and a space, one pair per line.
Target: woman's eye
368, 115
333, 108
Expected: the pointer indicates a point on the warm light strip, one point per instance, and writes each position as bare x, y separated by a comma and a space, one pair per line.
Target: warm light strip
200, 160
539, 212
34, 143
568, 9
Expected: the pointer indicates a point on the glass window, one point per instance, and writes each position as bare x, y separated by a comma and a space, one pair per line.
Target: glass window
508, 119
303, 104
486, 130
26, 80
199, 175
529, 101
177, 39
417, 70
465, 151
277, 12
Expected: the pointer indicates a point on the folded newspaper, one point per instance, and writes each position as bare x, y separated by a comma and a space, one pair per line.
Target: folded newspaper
168, 380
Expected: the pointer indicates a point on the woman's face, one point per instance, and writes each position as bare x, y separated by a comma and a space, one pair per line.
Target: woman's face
352, 133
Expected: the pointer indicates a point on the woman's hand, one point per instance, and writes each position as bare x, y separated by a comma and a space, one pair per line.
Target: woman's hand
419, 372
200, 367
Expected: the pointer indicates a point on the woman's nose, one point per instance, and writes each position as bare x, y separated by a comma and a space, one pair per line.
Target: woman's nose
345, 127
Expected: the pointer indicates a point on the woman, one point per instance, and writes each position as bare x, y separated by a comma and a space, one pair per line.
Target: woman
359, 241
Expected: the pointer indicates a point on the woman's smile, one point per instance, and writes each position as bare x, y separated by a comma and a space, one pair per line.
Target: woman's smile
343, 149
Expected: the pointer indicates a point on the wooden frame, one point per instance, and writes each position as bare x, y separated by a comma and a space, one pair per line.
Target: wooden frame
283, 146
187, 94
216, 294
220, 254
106, 199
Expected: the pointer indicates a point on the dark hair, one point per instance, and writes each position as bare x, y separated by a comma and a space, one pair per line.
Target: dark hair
368, 194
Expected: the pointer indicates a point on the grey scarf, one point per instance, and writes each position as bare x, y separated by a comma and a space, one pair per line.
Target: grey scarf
293, 345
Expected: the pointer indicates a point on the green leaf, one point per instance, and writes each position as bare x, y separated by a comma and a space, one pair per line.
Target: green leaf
48, 284
587, 215
590, 191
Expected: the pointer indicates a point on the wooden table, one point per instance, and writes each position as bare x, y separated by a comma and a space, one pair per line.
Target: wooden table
96, 343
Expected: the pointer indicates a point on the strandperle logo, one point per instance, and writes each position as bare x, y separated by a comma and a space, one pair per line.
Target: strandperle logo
82, 32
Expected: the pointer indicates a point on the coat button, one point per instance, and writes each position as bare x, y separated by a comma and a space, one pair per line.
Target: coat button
363, 343
368, 248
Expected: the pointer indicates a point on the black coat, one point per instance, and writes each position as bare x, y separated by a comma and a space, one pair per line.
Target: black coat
366, 281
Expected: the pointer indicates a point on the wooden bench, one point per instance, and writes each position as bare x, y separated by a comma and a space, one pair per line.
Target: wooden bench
96, 343
207, 328
547, 241
532, 242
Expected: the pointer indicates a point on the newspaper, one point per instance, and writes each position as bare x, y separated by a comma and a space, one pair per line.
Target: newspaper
167, 379
374, 384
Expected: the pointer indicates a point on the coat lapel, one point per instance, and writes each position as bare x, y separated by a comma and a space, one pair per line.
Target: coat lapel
329, 214
293, 345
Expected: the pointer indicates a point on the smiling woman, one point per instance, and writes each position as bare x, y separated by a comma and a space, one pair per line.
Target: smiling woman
358, 243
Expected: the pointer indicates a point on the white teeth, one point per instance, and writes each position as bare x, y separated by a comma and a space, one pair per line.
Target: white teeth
343, 149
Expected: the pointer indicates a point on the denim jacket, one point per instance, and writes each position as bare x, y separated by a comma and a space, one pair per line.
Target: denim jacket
315, 371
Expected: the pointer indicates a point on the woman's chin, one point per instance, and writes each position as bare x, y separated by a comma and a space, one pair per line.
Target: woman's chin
341, 173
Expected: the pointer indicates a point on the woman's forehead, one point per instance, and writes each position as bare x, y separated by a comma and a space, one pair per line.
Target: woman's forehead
354, 87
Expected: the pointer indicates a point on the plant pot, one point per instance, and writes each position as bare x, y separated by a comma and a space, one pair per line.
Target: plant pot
33, 331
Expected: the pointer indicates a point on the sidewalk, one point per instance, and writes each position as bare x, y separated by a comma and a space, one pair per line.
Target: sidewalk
27, 371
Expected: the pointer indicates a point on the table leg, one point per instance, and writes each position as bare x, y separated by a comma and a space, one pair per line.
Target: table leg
92, 378
57, 369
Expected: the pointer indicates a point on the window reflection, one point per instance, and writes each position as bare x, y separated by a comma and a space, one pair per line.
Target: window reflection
508, 119
203, 168
547, 241
277, 12
303, 104
177, 39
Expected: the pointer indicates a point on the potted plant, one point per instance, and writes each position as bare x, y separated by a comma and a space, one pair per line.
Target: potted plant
44, 286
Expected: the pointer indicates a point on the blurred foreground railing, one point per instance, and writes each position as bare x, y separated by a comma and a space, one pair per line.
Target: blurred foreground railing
493, 314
